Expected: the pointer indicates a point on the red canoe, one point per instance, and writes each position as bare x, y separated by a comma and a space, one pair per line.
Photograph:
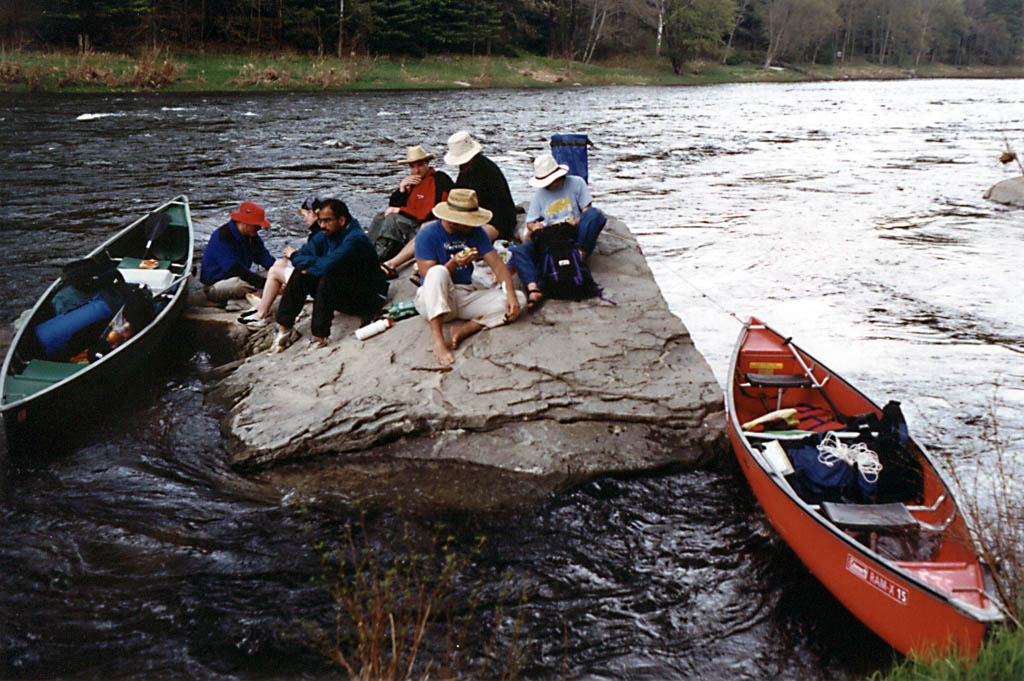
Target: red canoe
892, 546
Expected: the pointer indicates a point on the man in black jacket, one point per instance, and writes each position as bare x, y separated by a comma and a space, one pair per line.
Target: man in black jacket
479, 173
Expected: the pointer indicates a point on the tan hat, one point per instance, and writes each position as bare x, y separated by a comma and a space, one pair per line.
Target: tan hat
546, 170
461, 148
414, 154
462, 207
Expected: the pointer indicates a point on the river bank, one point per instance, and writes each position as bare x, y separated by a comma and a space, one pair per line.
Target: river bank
25, 71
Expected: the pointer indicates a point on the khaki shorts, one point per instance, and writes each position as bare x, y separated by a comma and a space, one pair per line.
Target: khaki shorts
228, 289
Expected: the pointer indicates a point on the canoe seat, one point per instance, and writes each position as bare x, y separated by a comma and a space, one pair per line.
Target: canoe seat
133, 264
779, 381
39, 374
869, 516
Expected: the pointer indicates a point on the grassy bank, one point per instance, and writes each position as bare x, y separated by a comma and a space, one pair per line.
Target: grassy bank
22, 71
1001, 658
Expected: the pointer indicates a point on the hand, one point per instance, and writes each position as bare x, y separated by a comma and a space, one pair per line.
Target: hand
408, 182
288, 251
573, 221
463, 258
534, 226
391, 210
512, 308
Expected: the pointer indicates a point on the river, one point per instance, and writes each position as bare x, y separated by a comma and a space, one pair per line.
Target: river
846, 214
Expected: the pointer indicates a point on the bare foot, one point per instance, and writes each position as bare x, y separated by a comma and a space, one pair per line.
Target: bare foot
461, 333
442, 354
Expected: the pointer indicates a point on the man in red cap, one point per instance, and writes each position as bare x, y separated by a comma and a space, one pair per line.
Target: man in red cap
231, 252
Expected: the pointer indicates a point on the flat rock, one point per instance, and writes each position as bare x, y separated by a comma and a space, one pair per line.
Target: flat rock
1010, 192
572, 391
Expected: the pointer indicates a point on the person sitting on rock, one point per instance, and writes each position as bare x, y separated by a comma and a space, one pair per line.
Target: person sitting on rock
560, 197
482, 175
339, 268
392, 230
231, 252
277, 276
445, 251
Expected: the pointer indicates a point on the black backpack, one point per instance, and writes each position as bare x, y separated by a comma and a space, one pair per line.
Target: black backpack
92, 274
563, 272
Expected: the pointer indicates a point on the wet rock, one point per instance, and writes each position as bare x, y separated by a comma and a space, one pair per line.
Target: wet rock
1010, 192
573, 391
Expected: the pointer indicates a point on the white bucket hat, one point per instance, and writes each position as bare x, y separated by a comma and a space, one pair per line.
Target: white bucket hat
546, 170
463, 208
461, 148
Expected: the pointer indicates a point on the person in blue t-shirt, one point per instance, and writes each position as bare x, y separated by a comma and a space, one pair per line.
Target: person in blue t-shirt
560, 197
231, 252
445, 251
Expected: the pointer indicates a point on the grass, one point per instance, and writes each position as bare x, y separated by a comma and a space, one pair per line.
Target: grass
33, 71
406, 607
990, 498
1000, 659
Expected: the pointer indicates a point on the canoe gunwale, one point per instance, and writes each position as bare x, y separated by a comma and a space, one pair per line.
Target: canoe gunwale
989, 615
170, 308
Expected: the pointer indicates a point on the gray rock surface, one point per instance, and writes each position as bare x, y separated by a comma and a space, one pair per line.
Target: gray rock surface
570, 392
1010, 192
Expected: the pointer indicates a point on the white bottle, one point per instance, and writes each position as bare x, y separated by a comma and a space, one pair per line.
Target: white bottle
373, 328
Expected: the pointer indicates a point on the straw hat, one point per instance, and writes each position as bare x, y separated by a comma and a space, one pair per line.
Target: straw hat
414, 154
546, 170
461, 148
462, 207
251, 214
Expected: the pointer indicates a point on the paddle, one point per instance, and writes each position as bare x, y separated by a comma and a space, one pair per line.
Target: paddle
173, 283
156, 224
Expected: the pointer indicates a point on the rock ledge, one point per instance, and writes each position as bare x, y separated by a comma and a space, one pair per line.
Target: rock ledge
573, 391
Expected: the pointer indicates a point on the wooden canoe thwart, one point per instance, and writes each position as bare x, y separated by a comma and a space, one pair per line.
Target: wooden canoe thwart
879, 527
97, 325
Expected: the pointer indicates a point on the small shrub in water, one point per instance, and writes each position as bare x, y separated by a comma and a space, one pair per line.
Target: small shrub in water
408, 615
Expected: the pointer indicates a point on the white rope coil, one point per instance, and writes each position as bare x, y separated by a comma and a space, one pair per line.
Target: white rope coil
833, 449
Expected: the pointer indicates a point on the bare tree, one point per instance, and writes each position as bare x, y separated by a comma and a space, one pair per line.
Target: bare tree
794, 24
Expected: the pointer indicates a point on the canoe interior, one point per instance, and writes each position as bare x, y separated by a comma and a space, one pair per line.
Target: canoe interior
31, 368
910, 526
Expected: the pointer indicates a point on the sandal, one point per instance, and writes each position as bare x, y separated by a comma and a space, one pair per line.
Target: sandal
416, 279
389, 272
534, 299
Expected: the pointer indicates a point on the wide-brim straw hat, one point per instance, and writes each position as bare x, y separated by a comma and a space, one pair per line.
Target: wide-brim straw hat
461, 148
414, 154
251, 214
546, 170
463, 207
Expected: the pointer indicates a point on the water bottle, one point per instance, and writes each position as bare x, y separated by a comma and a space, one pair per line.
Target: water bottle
397, 311
373, 328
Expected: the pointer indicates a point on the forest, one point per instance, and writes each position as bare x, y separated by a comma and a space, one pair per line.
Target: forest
900, 32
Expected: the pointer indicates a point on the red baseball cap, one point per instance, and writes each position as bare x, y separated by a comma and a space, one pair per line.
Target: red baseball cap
251, 214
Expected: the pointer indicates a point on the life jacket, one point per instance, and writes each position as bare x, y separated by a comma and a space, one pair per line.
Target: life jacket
423, 197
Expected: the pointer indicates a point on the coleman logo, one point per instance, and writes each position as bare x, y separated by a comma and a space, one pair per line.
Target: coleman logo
876, 579
766, 367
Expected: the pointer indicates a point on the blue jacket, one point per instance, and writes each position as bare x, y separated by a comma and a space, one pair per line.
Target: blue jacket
348, 251
229, 254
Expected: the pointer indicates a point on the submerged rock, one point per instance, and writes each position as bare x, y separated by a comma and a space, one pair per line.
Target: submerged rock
570, 392
1010, 192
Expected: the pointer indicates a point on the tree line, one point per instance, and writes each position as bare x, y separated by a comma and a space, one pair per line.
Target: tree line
904, 32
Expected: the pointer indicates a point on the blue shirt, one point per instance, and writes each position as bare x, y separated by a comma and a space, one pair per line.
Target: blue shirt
229, 254
552, 206
348, 251
434, 243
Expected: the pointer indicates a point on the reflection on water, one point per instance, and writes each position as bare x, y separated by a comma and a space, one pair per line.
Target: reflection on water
847, 214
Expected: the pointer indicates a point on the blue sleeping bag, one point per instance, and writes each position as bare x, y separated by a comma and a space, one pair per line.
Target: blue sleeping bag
55, 334
815, 481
